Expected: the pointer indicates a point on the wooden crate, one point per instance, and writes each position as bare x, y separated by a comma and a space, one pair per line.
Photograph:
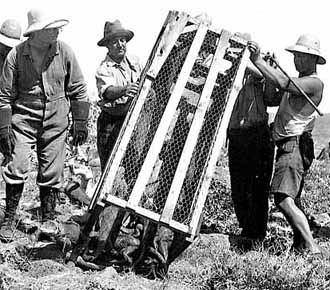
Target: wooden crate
163, 161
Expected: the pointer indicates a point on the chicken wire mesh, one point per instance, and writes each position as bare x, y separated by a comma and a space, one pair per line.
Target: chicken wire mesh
154, 196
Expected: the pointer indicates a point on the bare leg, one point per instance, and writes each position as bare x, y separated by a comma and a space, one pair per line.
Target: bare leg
298, 222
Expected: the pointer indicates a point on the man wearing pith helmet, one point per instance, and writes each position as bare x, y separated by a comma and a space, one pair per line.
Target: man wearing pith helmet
117, 83
10, 36
292, 133
41, 82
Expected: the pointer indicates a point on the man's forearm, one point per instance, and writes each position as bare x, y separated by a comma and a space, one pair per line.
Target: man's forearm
114, 92
271, 74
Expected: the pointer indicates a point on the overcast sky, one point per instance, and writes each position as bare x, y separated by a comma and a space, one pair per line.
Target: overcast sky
273, 24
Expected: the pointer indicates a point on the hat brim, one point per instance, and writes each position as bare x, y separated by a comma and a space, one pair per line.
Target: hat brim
10, 42
45, 25
127, 34
303, 49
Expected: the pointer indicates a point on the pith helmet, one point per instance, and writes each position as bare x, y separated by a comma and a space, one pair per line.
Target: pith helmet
114, 29
308, 43
38, 20
10, 33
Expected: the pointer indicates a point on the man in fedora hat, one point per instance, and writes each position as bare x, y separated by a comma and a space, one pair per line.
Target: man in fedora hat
292, 130
117, 83
41, 82
10, 36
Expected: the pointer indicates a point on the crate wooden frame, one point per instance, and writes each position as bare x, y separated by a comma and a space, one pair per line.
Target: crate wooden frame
174, 25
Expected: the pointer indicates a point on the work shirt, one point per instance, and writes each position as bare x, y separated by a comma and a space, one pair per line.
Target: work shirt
61, 76
249, 110
110, 73
2, 61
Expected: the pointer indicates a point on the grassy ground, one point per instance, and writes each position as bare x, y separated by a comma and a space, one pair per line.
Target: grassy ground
213, 261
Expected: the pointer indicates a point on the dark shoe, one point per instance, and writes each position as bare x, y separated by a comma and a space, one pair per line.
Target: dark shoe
48, 198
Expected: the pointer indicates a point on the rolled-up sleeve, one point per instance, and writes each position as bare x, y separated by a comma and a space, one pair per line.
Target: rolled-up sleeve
8, 80
104, 78
76, 88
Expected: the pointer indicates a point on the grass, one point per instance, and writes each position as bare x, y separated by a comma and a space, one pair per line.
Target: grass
212, 261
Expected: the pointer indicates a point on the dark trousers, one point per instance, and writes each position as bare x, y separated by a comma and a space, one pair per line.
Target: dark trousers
108, 128
251, 154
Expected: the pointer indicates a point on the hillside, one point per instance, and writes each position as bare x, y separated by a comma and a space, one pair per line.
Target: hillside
321, 132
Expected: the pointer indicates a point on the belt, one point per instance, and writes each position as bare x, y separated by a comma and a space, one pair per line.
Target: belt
287, 139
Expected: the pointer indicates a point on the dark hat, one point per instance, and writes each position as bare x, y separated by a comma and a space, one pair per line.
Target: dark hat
114, 29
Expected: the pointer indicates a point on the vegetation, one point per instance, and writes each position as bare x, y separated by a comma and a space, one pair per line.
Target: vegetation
213, 261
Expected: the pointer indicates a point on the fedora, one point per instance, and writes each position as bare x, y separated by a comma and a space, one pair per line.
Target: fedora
37, 20
308, 43
114, 29
10, 33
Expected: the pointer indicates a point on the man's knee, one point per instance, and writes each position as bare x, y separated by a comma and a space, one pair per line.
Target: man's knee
283, 201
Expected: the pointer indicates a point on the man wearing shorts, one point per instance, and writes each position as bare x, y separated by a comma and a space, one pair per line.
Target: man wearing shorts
292, 130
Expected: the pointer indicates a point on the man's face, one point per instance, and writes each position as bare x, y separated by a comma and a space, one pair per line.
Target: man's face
117, 47
46, 36
304, 61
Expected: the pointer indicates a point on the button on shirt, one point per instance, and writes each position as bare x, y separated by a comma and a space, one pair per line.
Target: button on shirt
110, 73
61, 76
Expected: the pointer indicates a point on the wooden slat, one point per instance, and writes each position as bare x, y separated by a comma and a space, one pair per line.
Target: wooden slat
179, 227
144, 87
166, 120
147, 213
220, 139
115, 201
119, 153
175, 26
190, 28
194, 131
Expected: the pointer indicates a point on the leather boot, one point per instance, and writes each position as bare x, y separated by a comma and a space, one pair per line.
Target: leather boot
9, 230
13, 195
48, 197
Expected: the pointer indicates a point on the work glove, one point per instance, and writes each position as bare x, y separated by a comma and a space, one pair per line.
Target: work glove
79, 132
6, 135
80, 112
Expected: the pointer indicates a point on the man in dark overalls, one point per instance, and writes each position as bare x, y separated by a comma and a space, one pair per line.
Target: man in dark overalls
41, 82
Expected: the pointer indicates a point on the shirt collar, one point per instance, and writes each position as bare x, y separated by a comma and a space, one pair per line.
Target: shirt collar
54, 48
124, 63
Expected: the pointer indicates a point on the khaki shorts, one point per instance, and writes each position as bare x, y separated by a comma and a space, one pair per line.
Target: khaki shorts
289, 169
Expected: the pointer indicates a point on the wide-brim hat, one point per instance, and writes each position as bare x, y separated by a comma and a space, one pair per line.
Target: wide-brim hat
114, 29
37, 20
10, 33
309, 44
7, 41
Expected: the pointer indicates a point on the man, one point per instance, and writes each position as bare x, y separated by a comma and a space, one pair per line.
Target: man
251, 153
10, 36
117, 83
292, 130
41, 80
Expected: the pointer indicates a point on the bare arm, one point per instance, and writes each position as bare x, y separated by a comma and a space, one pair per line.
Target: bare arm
313, 87
115, 92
